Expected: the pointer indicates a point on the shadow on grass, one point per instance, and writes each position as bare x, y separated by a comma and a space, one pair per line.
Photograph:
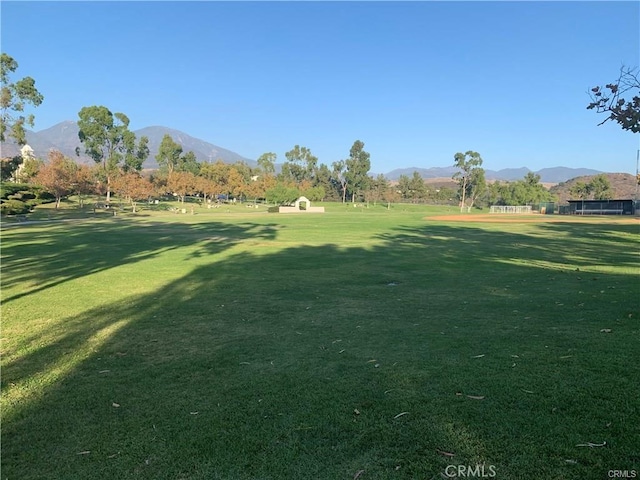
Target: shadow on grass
302, 363
59, 254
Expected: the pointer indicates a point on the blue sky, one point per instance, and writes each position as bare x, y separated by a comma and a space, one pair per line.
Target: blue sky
415, 81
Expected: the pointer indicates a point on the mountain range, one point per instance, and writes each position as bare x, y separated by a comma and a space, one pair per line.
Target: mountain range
64, 137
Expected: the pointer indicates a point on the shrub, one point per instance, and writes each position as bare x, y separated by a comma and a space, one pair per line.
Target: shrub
13, 207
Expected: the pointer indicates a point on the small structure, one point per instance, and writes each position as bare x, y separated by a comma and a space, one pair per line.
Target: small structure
601, 207
301, 205
515, 209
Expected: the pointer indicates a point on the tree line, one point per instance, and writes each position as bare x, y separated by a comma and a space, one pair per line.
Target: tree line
118, 158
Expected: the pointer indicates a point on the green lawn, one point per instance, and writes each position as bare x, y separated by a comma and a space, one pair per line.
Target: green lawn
368, 343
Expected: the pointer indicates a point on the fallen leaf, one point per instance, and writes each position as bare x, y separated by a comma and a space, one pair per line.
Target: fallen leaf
591, 445
356, 411
400, 415
605, 330
446, 454
193, 413
114, 404
458, 394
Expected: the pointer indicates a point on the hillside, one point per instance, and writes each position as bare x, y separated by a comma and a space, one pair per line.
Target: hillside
64, 137
623, 186
547, 175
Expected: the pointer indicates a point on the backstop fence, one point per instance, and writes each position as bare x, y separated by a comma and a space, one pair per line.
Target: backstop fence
518, 209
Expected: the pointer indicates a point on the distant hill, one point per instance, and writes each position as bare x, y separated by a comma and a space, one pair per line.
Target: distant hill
204, 151
623, 186
64, 137
547, 175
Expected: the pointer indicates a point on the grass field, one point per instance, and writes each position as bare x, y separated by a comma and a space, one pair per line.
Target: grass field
359, 343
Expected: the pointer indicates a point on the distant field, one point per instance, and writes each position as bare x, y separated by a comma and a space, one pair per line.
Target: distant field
360, 343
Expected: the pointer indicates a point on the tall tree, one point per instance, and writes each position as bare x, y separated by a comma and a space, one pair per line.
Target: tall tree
267, 162
14, 96
358, 165
169, 153
300, 164
339, 175
470, 177
610, 100
108, 141
417, 188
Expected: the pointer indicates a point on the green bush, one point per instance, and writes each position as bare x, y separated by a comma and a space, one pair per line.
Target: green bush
14, 207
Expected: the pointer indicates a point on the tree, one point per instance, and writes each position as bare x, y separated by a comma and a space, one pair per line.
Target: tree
169, 153
58, 176
417, 188
109, 142
600, 187
404, 186
133, 188
282, 194
581, 190
29, 169
13, 99
8, 167
267, 162
300, 165
340, 177
358, 165
182, 184
379, 186
625, 112
470, 178
237, 183
84, 182
189, 163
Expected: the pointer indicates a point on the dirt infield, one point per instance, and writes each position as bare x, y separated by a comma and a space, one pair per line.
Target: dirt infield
535, 218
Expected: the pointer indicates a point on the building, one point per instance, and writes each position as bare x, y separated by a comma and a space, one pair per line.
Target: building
601, 207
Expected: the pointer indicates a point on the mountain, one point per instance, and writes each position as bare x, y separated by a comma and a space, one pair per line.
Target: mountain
204, 151
547, 175
433, 172
562, 174
64, 137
